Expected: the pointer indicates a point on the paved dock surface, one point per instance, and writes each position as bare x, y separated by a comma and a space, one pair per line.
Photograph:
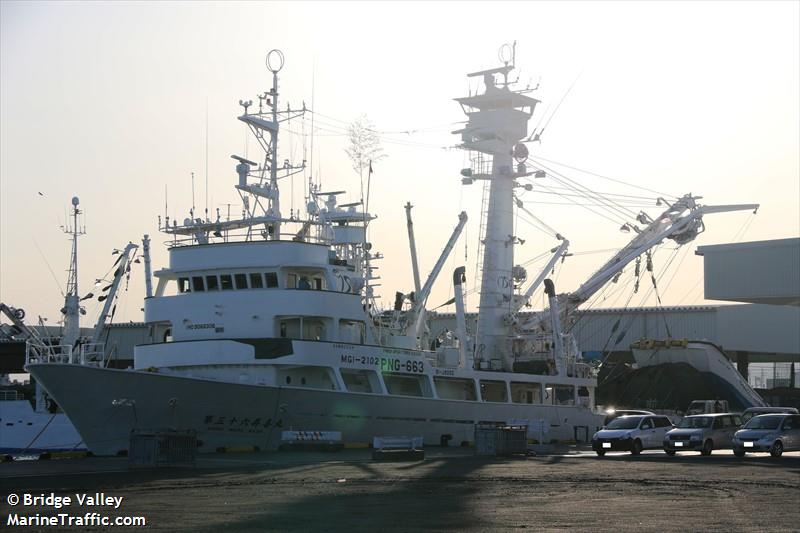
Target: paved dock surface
452, 490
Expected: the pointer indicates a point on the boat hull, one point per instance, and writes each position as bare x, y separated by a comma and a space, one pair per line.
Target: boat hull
705, 357
107, 404
26, 431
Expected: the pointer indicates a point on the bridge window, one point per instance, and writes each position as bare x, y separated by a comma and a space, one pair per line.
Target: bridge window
302, 279
272, 280
226, 282
241, 281
212, 284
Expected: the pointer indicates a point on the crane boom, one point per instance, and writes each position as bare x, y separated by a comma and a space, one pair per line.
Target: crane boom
416, 316
681, 222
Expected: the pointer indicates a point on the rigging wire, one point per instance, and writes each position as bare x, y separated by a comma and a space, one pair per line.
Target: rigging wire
605, 193
588, 208
47, 263
536, 136
625, 202
582, 189
610, 209
616, 180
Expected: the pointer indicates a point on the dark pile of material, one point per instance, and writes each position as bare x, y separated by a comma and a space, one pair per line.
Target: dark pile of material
670, 386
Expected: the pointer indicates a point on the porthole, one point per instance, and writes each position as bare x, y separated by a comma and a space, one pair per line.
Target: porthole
288, 379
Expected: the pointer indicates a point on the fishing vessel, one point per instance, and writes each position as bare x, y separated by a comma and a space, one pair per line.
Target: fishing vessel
41, 426
268, 322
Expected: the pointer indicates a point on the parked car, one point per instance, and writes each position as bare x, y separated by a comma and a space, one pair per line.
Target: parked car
702, 433
612, 413
700, 407
773, 433
750, 412
632, 433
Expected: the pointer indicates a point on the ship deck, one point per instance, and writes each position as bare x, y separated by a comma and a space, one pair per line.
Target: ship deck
451, 490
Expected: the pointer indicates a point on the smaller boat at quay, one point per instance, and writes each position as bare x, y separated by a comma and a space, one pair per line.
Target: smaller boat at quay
28, 428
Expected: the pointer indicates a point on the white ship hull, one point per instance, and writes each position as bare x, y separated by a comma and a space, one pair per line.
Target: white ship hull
106, 404
24, 430
705, 357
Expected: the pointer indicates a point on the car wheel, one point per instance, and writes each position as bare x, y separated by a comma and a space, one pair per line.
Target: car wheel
777, 449
636, 447
708, 447
739, 453
600, 453
669, 452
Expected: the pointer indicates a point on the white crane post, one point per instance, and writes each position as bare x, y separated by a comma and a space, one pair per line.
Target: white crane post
413, 246
148, 278
459, 277
417, 313
555, 324
557, 254
112, 292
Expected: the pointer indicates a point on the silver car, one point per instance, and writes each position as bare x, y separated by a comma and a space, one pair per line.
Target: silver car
773, 433
702, 433
750, 412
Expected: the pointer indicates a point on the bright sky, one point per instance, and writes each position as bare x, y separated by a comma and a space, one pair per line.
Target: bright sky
107, 101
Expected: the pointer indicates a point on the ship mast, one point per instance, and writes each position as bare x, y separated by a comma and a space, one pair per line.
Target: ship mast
71, 309
497, 121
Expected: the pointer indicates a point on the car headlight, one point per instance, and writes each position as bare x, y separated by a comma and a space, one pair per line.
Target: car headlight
594, 437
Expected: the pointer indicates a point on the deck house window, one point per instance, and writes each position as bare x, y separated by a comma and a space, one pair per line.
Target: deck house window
256, 281
404, 384
183, 285
303, 328
226, 282
197, 284
241, 281
351, 331
212, 284
493, 391
526, 392
560, 394
455, 388
272, 280
360, 381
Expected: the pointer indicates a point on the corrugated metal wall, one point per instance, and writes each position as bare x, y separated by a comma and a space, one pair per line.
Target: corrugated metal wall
593, 330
